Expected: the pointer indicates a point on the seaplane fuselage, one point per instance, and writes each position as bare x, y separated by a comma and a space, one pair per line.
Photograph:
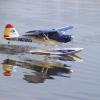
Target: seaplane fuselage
39, 36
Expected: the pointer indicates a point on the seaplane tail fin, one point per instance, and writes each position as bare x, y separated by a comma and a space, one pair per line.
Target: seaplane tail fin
10, 32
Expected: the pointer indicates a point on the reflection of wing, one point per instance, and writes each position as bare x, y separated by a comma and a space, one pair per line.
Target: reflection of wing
34, 78
37, 77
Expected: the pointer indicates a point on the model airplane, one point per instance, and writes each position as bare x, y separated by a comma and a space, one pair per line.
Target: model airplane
53, 36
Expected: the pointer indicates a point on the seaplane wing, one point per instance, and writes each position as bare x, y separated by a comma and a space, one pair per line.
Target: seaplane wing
65, 28
41, 31
60, 52
50, 31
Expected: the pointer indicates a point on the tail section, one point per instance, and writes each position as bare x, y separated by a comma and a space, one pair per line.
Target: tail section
10, 32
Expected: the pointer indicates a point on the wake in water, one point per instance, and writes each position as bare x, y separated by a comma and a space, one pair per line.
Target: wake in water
14, 49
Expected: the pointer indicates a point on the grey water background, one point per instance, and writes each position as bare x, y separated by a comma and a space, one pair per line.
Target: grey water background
84, 16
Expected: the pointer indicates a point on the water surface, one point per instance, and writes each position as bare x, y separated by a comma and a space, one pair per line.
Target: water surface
84, 82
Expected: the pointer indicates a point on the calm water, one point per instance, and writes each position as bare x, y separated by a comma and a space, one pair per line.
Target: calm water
29, 81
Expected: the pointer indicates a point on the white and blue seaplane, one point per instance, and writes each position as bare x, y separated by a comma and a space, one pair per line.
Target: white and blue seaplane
52, 36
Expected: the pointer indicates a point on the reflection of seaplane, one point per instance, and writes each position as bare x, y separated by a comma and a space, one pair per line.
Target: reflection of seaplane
53, 36
41, 69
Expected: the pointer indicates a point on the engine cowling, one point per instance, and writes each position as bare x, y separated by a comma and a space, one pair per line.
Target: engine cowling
67, 38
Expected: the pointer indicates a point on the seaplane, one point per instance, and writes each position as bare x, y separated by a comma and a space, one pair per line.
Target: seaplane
51, 36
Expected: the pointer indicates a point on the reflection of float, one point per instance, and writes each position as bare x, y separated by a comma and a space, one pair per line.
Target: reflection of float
74, 58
